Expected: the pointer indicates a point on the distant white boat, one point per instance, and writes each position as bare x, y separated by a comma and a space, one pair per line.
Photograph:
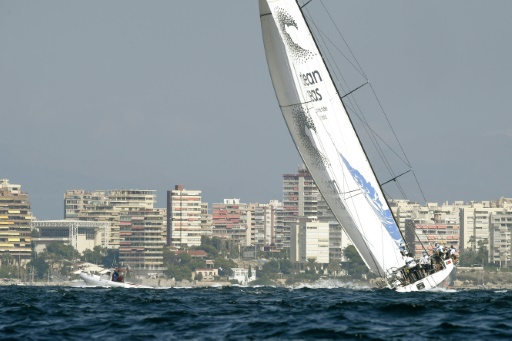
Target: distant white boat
325, 137
112, 278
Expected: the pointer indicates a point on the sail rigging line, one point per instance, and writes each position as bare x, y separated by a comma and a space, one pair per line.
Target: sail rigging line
354, 190
359, 87
343, 38
418, 238
305, 4
291, 55
397, 140
352, 211
363, 120
324, 38
371, 135
396, 177
359, 68
356, 214
361, 71
348, 207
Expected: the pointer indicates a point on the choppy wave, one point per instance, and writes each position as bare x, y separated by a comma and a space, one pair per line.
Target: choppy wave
328, 309
332, 284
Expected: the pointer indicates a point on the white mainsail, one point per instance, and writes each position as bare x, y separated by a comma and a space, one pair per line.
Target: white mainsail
325, 137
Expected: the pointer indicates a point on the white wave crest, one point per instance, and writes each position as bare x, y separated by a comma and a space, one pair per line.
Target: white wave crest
440, 289
331, 283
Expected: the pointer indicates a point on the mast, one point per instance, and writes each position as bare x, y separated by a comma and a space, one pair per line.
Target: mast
325, 137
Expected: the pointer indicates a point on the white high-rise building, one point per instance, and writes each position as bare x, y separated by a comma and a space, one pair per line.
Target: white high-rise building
184, 209
310, 241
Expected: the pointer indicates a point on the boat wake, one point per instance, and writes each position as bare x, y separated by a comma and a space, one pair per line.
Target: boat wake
333, 284
439, 289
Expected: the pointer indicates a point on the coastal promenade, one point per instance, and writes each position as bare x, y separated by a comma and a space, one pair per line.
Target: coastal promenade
156, 283
467, 279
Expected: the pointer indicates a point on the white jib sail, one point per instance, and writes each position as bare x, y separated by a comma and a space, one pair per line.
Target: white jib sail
324, 136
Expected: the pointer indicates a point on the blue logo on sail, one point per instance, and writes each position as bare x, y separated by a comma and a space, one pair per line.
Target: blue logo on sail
373, 198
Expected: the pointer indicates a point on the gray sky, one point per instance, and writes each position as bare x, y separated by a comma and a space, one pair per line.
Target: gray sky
150, 94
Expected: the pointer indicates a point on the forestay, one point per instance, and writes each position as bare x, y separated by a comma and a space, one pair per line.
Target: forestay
324, 135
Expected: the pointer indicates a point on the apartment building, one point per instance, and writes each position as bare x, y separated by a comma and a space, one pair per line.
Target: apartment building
232, 220
106, 206
134, 226
300, 199
76, 201
142, 242
15, 219
184, 219
475, 224
423, 235
264, 222
338, 238
309, 241
500, 242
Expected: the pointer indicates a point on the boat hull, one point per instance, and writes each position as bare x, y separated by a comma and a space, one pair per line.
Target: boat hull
440, 279
97, 280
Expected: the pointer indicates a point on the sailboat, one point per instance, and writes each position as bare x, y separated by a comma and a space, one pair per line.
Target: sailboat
329, 146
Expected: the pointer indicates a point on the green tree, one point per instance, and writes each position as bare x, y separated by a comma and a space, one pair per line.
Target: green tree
95, 255
7, 259
111, 258
311, 266
216, 242
180, 266
468, 257
355, 265
269, 270
60, 251
334, 268
40, 266
179, 273
285, 266
472, 241
224, 266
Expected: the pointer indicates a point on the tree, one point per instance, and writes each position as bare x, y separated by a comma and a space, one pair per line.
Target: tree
199, 277
285, 266
178, 273
7, 259
40, 266
216, 242
334, 268
468, 257
472, 241
60, 251
269, 270
311, 266
95, 255
355, 266
224, 266
111, 258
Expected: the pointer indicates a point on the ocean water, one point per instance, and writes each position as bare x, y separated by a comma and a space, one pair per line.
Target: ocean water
326, 311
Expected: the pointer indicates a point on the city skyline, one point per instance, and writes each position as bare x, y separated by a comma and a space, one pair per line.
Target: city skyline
220, 201
153, 95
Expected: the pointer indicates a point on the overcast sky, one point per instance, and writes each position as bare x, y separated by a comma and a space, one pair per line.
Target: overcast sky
150, 94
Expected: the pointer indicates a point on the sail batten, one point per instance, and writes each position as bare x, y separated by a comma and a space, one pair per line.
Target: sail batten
324, 135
